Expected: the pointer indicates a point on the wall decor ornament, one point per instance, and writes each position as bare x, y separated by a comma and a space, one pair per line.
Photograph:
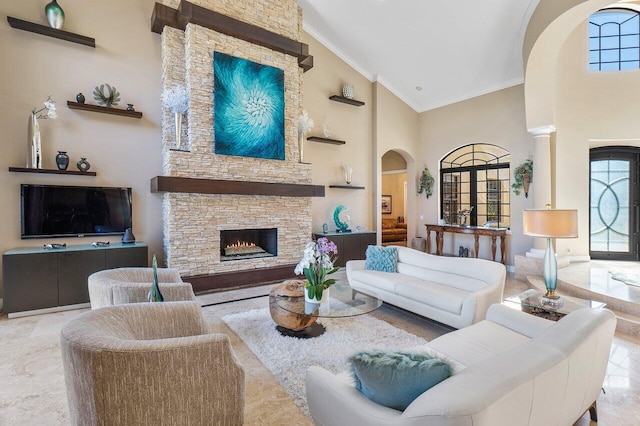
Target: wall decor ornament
523, 176
425, 183
109, 98
62, 160
83, 165
34, 143
305, 124
248, 108
55, 15
80, 98
348, 91
176, 100
342, 218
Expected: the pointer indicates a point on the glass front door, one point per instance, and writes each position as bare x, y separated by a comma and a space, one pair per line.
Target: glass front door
614, 203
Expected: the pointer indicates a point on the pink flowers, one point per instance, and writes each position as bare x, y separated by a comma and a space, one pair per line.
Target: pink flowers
317, 263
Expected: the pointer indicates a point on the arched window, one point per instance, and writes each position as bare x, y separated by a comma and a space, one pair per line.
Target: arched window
476, 178
614, 40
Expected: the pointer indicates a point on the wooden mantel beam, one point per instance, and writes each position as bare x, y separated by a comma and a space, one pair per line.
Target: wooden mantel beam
189, 13
214, 186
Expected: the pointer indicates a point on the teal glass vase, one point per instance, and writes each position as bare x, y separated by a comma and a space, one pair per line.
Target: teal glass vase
55, 15
154, 294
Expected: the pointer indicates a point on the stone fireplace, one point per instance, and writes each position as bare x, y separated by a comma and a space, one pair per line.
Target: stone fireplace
199, 224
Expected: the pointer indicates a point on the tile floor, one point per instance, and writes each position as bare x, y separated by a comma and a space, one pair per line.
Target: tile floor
32, 386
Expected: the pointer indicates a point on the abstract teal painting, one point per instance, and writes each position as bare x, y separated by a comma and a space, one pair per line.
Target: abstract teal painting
248, 110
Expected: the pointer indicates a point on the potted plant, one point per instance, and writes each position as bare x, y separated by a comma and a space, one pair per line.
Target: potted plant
316, 264
523, 175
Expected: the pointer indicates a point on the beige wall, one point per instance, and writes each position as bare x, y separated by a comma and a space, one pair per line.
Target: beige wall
122, 151
396, 128
600, 107
496, 118
347, 123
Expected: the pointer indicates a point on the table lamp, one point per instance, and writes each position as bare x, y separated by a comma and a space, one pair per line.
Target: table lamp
550, 223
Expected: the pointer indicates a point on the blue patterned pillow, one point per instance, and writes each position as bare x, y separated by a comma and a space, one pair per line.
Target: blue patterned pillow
381, 259
395, 379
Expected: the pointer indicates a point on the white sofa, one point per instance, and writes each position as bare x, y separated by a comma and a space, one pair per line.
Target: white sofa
511, 369
452, 290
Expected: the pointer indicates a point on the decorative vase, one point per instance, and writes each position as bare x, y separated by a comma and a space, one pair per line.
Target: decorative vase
34, 148
83, 165
178, 122
55, 15
154, 294
325, 296
526, 181
80, 98
348, 173
130, 107
347, 91
62, 160
128, 237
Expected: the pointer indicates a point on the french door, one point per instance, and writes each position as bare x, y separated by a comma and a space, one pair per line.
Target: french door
614, 198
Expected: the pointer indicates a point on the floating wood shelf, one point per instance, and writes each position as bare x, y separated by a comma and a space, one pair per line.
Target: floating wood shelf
179, 150
346, 186
51, 32
344, 100
325, 140
51, 171
104, 110
213, 186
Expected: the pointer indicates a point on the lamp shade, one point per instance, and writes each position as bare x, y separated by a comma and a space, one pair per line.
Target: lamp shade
550, 223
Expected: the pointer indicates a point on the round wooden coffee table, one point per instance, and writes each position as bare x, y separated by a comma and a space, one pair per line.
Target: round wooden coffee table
297, 318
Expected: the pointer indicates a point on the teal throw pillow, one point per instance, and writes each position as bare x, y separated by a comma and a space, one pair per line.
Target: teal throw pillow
395, 379
381, 258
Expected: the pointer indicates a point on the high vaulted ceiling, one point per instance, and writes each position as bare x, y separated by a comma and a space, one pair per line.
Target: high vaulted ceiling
452, 49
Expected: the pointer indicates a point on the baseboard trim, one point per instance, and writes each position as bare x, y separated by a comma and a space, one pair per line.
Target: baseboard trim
48, 310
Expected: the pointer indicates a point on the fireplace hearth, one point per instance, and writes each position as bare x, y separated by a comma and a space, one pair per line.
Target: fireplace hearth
242, 244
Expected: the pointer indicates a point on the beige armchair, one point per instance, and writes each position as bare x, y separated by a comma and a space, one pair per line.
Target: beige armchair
131, 285
150, 364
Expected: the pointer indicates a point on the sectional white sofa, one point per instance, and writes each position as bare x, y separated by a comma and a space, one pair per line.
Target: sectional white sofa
512, 369
452, 290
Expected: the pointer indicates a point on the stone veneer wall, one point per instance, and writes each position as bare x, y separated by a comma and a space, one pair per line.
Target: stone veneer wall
192, 222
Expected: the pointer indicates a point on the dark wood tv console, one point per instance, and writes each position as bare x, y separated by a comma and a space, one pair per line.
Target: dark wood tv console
44, 280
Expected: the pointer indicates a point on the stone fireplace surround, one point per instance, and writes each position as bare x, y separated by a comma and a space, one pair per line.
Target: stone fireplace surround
194, 219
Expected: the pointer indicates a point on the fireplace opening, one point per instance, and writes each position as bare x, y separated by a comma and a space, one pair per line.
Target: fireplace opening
239, 244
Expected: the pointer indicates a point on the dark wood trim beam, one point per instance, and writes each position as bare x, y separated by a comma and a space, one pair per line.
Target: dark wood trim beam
162, 16
245, 278
189, 13
213, 186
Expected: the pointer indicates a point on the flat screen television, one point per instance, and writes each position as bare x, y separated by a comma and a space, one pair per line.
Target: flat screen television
74, 211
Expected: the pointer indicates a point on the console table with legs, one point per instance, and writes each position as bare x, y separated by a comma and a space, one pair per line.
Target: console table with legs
476, 231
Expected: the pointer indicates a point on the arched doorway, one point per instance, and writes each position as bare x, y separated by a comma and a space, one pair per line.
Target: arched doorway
393, 204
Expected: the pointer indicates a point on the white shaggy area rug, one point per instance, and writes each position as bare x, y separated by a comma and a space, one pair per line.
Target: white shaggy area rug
288, 358
627, 276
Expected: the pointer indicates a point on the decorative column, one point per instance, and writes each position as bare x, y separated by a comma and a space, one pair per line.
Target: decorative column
541, 185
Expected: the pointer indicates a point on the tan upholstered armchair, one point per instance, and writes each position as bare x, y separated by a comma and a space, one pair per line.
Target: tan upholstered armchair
131, 285
150, 364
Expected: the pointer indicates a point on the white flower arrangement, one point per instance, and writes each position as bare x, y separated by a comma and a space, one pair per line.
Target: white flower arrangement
305, 123
50, 107
176, 99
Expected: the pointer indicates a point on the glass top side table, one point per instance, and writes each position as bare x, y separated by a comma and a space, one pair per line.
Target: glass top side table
532, 302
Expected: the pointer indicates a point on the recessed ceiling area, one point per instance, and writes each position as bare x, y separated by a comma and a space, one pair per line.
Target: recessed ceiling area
453, 50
